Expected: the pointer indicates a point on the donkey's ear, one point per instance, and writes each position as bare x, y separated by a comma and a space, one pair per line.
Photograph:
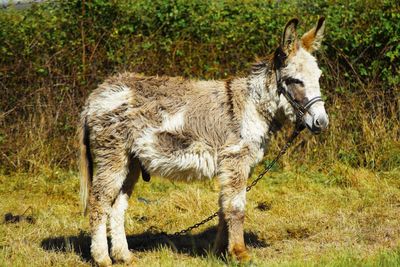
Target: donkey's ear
312, 39
289, 37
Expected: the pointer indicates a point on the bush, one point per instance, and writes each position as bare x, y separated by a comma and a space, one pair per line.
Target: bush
53, 54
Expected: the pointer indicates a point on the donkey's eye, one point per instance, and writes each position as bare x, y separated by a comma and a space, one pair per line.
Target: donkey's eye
291, 80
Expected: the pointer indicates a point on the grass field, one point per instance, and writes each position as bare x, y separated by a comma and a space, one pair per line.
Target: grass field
295, 217
336, 206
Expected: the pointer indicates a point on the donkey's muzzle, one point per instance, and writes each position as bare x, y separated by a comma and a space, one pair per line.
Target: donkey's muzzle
319, 124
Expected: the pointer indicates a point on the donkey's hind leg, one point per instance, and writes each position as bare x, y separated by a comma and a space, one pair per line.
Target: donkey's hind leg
119, 249
110, 176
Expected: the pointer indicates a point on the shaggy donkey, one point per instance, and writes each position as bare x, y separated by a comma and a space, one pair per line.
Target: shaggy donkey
189, 129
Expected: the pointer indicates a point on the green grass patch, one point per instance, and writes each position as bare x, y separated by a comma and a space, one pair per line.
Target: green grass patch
305, 220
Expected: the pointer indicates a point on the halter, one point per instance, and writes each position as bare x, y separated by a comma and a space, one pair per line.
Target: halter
300, 110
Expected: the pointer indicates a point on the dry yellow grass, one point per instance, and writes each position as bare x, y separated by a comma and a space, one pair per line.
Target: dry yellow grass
345, 217
330, 215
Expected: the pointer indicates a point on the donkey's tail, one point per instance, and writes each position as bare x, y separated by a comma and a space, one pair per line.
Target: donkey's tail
86, 164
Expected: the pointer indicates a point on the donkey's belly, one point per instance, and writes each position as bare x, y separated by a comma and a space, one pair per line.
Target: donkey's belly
175, 156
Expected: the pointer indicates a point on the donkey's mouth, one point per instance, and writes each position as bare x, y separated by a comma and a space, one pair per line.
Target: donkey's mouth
314, 129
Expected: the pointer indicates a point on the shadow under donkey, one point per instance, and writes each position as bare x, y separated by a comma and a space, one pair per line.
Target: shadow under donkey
195, 245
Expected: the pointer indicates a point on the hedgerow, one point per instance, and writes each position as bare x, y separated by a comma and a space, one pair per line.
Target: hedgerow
53, 54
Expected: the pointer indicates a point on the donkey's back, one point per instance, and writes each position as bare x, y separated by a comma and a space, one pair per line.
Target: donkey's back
173, 126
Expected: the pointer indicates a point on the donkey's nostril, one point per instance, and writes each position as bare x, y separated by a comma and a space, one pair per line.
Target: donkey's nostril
321, 122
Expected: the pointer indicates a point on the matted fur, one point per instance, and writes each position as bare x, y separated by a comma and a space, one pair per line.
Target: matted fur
185, 129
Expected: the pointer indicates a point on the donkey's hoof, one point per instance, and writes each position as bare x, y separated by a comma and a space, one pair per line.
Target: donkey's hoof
104, 262
128, 259
220, 248
240, 253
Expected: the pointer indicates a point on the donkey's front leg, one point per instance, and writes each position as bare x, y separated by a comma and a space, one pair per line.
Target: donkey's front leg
233, 178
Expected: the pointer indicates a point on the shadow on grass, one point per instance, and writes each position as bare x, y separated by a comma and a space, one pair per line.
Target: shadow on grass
194, 245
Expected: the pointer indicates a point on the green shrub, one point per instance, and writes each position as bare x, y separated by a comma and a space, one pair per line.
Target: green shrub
54, 53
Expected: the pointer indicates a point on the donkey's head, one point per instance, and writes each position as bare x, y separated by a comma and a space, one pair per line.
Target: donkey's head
297, 75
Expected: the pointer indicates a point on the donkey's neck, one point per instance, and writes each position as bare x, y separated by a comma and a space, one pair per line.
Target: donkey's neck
262, 85
261, 105
262, 89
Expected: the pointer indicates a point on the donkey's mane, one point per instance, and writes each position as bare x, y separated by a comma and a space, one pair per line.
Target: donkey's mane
262, 65
259, 67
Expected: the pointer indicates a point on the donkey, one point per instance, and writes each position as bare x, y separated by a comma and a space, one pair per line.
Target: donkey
191, 129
